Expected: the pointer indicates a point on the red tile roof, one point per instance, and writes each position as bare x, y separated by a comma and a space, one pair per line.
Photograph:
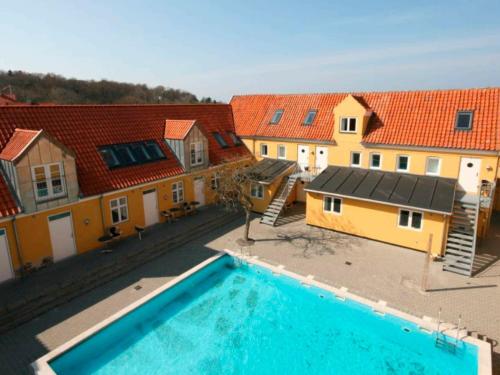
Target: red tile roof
8, 205
84, 128
178, 129
19, 142
6, 99
410, 118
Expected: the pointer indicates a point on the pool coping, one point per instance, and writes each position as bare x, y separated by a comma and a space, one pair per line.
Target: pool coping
426, 324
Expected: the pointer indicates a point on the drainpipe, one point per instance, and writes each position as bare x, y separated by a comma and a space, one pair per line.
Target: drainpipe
18, 246
101, 199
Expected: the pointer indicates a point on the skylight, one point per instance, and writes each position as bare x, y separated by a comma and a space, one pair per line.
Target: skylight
463, 120
236, 140
277, 116
122, 155
218, 137
310, 117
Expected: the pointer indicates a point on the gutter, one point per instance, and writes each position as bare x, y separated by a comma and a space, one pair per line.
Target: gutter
285, 139
425, 148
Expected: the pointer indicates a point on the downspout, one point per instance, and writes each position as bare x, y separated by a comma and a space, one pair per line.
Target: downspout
18, 246
101, 199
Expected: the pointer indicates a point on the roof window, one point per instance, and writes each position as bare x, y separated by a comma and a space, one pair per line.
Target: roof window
122, 155
277, 116
236, 140
310, 117
463, 120
221, 141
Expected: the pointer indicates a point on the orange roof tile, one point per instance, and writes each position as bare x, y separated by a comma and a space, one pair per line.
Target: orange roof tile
19, 142
8, 204
409, 118
83, 128
178, 129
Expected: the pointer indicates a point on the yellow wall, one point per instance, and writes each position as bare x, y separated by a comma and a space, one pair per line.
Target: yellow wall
378, 222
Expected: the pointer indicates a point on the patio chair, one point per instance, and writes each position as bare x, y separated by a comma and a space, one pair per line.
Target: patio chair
140, 230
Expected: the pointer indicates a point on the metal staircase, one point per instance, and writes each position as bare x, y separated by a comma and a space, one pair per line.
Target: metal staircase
274, 209
462, 234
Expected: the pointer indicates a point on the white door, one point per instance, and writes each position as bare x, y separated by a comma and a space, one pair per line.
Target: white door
150, 203
6, 271
321, 158
303, 157
61, 236
468, 179
199, 190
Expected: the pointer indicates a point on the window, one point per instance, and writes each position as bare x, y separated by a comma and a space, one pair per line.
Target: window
332, 205
119, 210
215, 182
463, 120
236, 140
355, 159
403, 163
221, 141
277, 116
178, 192
281, 152
433, 166
310, 117
196, 152
257, 191
348, 125
122, 155
48, 181
263, 149
375, 161
410, 219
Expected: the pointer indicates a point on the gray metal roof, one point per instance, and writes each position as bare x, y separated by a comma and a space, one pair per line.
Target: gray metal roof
426, 193
267, 170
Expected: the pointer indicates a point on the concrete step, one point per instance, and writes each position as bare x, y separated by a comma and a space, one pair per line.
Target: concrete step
457, 251
462, 247
457, 269
462, 236
459, 241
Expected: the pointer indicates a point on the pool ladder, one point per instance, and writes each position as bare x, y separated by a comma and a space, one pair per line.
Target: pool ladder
241, 259
442, 341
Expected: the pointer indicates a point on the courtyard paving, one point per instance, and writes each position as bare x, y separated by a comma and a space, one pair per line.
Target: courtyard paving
371, 269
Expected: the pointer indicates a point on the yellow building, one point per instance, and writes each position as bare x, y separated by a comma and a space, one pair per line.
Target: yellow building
72, 175
444, 134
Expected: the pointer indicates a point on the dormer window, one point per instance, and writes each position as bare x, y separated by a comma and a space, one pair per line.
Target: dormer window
221, 141
348, 125
277, 116
463, 120
196, 150
48, 181
310, 117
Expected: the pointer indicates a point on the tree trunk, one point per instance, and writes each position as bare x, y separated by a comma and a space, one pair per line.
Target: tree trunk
247, 224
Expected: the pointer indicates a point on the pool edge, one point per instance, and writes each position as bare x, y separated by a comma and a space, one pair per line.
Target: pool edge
41, 365
484, 360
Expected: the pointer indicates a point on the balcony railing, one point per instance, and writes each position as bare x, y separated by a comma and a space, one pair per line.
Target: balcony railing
308, 173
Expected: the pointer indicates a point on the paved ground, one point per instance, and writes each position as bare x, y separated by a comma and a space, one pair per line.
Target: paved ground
371, 269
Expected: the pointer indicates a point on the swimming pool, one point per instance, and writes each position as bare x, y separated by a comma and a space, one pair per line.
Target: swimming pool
226, 316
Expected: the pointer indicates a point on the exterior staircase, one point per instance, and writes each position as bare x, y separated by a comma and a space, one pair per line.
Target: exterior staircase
274, 209
462, 234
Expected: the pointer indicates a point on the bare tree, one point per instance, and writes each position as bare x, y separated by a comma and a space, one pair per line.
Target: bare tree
233, 191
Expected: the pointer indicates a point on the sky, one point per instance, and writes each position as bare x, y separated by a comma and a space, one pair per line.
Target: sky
222, 48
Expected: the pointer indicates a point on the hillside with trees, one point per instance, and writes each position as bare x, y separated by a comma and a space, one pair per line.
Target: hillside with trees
52, 88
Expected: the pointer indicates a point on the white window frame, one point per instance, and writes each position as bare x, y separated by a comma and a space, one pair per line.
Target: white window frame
438, 173
260, 189
278, 151
407, 170
333, 198
267, 149
215, 181
348, 120
48, 181
371, 160
178, 192
119, 206
410, 219
360, 159
197, 147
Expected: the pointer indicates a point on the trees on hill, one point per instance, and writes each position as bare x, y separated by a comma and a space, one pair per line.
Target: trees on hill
52, 88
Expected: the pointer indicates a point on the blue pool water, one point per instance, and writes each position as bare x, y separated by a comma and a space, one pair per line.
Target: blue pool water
245, 320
